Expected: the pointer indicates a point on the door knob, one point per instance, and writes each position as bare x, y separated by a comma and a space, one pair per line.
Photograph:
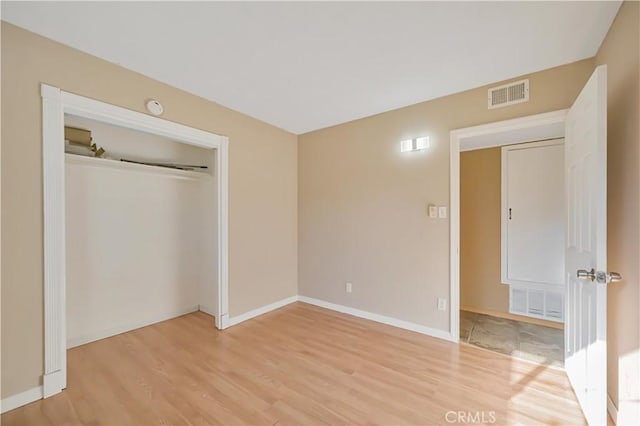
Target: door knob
583, 274
613, 277
599, 276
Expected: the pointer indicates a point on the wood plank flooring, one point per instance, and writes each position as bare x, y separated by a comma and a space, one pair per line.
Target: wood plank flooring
300, 365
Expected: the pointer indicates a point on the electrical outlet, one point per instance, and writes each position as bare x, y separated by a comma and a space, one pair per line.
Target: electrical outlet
348, 287
442, 212
442, 304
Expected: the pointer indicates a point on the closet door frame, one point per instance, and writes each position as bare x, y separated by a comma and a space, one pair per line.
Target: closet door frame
55, 104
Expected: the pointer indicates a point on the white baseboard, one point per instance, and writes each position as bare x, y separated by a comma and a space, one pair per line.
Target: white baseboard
207, 310
53, 383
613, 411
102, 334
20, 399
259, 311
422, 329
210, 311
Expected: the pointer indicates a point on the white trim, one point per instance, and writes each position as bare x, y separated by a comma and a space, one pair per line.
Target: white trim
261, 310
454, 235
112, 114
458, 137
612, 410
207, 310
55, 103
20, 399
55, 341
504, 228
54, 382
222, 177
406, 325
123, 328
514, 130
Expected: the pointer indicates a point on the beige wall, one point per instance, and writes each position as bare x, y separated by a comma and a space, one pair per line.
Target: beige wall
480, 243
262, 193
362, 204
620, 51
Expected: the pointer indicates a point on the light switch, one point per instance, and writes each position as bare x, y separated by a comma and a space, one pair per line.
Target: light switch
433, 212
442, 212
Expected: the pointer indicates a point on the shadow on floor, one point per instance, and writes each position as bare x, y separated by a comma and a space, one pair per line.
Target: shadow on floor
537, 343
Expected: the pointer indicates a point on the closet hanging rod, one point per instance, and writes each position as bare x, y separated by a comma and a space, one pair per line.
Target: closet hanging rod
167, 165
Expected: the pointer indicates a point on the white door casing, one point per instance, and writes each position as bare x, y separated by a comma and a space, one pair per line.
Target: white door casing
586, 242
55, 103
549, 125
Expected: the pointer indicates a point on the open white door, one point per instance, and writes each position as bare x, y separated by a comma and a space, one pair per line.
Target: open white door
586, 248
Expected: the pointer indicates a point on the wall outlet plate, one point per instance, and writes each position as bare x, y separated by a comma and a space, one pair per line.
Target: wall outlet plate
348, 287
442, 212
442, 304
433, 212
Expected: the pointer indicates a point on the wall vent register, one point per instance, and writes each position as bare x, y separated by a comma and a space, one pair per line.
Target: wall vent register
509, 94
538, 303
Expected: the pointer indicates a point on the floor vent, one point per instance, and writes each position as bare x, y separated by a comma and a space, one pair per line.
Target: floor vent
509, 94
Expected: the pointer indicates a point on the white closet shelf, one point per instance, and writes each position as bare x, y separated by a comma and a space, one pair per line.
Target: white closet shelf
123, 165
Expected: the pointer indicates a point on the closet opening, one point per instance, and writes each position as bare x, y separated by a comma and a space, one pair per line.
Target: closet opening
141, 226
135, 224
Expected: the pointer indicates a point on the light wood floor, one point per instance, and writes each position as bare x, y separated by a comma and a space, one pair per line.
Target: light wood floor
300, 365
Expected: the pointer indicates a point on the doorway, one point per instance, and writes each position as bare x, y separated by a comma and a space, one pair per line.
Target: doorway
494, 135
534, 128
512, 250
584, 127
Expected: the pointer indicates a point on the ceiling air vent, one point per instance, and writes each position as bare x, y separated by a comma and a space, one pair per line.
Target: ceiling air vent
509, 94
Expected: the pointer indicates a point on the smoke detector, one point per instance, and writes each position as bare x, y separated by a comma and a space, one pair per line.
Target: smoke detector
154, 107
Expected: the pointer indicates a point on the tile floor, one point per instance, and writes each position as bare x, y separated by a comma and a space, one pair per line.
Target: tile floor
537, 343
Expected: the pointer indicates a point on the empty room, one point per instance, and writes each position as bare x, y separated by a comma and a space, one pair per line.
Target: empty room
304, 213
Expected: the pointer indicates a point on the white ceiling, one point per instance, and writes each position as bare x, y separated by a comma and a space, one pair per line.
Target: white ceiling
303, 66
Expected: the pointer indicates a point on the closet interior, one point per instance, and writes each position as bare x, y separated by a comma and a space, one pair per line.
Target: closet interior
141, 229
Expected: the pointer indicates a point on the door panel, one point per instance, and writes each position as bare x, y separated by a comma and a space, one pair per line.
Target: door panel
586, 242
535, 217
